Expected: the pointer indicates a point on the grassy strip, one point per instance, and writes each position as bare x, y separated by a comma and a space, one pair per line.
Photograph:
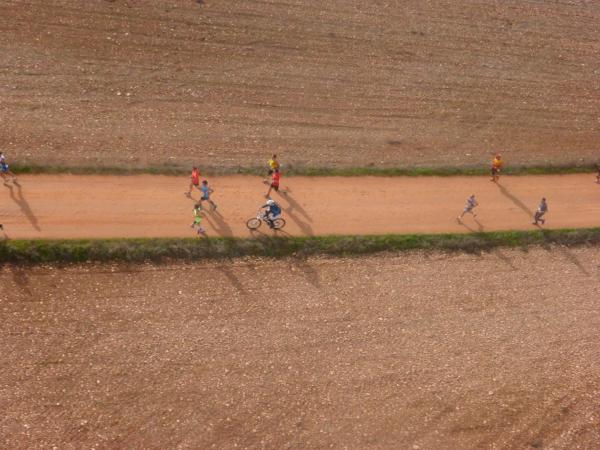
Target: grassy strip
163, 250
291, 170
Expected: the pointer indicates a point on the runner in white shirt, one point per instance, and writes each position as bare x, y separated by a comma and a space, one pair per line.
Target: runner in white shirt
471, 203
542, 209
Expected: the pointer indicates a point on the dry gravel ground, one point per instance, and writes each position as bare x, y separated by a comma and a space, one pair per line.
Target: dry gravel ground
411, 351
340, 83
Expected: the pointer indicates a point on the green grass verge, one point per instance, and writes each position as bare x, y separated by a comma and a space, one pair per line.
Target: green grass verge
165, 250
291, 170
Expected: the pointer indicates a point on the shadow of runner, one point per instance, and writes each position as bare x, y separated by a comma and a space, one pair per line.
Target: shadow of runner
21, 280
509, 195
311, 274
295, 206
25, 208
480, 227
233, 279
505, 259
218, 223
564, 250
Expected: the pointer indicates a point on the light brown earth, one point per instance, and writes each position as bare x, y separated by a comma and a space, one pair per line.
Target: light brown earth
336, 83
428, 351
68, 206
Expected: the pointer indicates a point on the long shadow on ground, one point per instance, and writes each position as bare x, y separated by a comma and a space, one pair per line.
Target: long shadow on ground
20, 200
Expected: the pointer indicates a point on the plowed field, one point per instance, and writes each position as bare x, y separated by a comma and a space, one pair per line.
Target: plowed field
414, 351
339, 83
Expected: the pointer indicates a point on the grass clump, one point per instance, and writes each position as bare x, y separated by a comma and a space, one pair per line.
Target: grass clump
190, 249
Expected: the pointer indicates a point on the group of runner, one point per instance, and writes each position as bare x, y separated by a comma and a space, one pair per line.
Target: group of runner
497, 164
271, 210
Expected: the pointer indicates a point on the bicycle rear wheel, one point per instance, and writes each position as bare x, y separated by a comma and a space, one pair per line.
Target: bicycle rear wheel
253, 223
278, 223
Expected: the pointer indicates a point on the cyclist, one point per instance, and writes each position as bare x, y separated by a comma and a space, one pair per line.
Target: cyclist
5, 171
272, 212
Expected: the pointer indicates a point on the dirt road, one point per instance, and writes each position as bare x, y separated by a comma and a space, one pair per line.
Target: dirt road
68, 206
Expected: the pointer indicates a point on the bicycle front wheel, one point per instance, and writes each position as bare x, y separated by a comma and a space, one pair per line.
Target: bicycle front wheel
253, 223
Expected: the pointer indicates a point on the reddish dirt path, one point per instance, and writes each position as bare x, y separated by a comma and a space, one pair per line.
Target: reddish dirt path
68, 206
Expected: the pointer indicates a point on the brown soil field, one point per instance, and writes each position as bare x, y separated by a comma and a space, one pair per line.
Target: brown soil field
70, 206
418, 351
337, 83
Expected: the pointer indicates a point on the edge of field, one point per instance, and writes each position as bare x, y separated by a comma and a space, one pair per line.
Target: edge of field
194, 249
296, 170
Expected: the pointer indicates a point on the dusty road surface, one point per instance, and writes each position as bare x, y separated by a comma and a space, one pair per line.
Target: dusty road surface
64, 206
342, 82
428, 351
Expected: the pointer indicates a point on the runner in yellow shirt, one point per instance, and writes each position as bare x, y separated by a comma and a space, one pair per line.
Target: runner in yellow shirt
497, 164
273, 164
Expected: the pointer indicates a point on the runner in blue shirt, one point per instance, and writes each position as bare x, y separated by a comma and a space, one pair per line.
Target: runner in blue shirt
206, 192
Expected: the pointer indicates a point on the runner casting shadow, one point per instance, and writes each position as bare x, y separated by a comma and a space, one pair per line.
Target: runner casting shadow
515, 200
20, 200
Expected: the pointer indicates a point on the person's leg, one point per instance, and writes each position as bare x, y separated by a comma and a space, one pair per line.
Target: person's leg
213, 204
269, 191
270, 220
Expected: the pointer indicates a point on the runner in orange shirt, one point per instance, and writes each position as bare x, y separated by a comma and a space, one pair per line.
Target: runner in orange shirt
497, 164
194, 181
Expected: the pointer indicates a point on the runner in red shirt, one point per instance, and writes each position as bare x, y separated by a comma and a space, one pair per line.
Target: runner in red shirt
194, 181
274, 182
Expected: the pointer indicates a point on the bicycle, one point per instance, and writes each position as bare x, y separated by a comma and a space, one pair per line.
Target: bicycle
261, 217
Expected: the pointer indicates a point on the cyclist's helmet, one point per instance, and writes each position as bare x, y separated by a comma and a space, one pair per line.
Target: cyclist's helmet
270, 202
